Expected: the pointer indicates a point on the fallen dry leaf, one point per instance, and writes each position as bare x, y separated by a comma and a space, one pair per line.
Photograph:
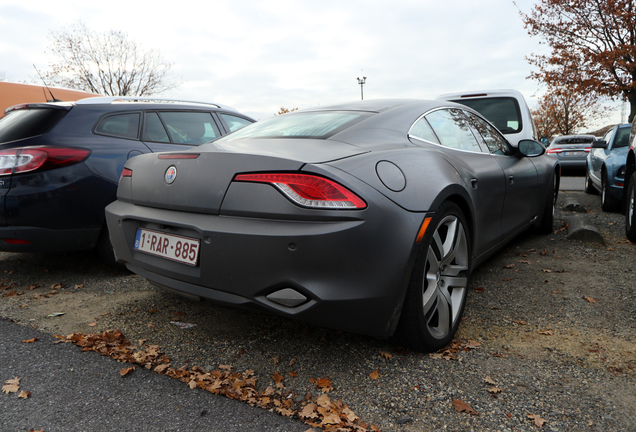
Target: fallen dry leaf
489, 380
471, 344
519, 322
92, 324
30, 340
494, 390
324, 401
308, 411
324, 385
24, 395
478, 289
375, 374
589, 299
461, 406
546, 332
125, 371
538, 421
386, 356
11, 386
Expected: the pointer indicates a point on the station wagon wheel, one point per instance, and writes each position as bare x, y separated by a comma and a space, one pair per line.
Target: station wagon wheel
608, 202
436, 294
630, 213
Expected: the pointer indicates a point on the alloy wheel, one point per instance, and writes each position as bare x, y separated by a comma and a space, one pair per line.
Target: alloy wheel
445, 281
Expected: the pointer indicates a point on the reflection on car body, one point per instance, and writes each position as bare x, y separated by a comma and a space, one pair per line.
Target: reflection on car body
367, 217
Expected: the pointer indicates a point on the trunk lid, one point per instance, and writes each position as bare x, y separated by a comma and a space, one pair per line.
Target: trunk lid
199, 184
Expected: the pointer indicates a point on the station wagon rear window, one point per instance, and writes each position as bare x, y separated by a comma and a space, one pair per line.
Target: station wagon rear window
503, 112
27, 123
320, 125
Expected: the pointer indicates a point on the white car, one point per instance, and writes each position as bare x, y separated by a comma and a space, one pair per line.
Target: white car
506, 109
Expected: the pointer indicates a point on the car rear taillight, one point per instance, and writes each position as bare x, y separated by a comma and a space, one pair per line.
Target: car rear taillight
309, 190
14, 241
29, 159
554, 150
126, 172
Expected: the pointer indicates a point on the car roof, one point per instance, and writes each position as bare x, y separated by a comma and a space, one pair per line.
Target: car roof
111, 100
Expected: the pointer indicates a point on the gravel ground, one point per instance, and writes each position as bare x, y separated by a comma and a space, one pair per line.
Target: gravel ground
548, 335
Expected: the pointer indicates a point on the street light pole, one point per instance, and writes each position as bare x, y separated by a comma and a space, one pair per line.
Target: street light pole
361, 82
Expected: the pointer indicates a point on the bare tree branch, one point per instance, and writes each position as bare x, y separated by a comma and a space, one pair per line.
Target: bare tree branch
106, 63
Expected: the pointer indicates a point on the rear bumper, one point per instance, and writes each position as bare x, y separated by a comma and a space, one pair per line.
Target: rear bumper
572, 163
47, 240
352, 273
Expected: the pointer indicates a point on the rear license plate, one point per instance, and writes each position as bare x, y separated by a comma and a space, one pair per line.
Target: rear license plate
573, 153
173, 247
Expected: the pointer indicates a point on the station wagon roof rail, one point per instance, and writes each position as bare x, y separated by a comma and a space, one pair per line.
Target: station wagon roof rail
139, 99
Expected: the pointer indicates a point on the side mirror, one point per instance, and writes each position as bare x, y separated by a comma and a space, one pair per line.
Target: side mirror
599, 144
530, 148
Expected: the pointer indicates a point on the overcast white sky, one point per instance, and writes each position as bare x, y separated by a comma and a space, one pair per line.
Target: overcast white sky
260, 55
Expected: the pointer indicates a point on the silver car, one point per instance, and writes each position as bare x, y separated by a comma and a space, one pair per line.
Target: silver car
571, 150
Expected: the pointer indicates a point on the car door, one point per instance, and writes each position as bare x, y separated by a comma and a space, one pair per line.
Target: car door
484, 178
521, 202
178, 130
600, 154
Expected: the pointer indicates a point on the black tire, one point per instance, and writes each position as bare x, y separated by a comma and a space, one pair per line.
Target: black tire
589, 187
608, 202
436, 295
630, 211
547, 219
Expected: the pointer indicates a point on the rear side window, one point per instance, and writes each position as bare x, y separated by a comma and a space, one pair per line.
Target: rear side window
189, 127
503, 112
453, 130
233, 122
495, 142
27, 123
119, 125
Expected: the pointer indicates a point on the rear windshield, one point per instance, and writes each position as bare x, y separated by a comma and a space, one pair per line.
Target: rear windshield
27, 123
503, 112
301, 125
574, 140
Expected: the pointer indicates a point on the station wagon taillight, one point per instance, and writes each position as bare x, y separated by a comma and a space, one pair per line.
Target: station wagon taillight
29, 159
309, 190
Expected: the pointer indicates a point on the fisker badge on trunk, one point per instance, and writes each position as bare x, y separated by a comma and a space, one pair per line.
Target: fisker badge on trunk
366, 217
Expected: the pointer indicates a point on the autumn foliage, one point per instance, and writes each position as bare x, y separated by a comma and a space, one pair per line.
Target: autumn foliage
593, 47
322, 412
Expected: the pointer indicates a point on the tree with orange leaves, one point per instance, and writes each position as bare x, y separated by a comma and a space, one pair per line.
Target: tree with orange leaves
565, 113
593, 46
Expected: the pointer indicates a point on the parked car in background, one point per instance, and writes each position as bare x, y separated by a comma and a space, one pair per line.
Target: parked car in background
367, 217
506, 109
18, 93
605, 167
60, 162
630, 182
571, 150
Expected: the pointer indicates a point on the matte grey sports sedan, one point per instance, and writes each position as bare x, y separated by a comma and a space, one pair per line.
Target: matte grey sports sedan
367, 217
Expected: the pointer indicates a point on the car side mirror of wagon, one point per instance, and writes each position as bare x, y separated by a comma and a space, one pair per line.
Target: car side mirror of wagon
599, 144
530, 148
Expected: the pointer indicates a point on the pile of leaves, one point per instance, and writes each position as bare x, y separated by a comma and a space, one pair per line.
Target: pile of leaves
321, 412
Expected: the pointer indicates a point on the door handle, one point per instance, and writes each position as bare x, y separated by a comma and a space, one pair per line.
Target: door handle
511, 180
473, 182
